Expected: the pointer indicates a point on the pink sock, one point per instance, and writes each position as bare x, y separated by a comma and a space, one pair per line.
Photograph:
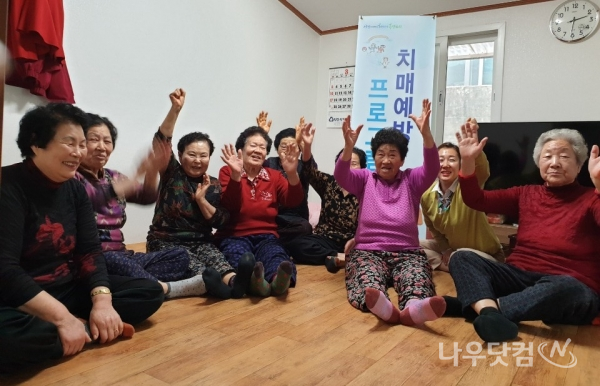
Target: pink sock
378, 304
419, 311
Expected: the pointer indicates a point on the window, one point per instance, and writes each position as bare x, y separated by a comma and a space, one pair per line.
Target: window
468, 79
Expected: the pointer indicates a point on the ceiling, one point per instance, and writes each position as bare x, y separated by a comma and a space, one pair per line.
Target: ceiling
327, 15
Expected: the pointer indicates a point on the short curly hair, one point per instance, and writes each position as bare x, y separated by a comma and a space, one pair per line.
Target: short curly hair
97, 120
390, 136
196, 136
362, 156
38, 126
251, 132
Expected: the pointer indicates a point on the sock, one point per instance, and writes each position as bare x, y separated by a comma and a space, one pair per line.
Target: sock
381, 306
453, 307
215, 285
492, 326
194, 286
258, 285
331, 265
281, 281
241, 281
596, 321
419, 311
127, 333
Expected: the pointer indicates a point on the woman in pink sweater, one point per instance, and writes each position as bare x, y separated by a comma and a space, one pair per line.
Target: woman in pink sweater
387, 241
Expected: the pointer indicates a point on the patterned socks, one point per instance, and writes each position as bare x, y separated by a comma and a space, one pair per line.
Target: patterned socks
258, 285
492, 326
194, 286
241, 282
281, 281
215, 285
416, 312
419, 311
381, 306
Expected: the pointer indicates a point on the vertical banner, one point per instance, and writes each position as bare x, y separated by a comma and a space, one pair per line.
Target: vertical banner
394, 73
341, 86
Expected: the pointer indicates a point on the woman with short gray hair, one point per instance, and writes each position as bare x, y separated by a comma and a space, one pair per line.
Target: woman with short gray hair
553, 274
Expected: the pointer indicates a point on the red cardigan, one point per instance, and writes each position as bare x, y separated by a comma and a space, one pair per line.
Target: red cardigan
558, 230
255, 214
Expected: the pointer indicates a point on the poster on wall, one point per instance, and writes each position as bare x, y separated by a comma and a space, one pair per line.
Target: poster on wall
394, 73
341, 86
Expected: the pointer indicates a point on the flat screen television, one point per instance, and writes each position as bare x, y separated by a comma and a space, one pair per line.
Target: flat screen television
510, 151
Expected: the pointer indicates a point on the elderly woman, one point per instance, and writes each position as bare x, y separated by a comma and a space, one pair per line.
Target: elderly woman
553, 273
188, 208
52, 272
453, 224
292, 222
387, 244
339, 211
109, 191
253, 195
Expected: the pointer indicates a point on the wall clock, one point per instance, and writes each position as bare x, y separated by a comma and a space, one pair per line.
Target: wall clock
573, 21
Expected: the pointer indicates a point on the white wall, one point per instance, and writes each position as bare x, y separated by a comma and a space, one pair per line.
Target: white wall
233, 57
544, 79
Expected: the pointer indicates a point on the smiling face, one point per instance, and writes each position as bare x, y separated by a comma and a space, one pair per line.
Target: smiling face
449, 166
388, 162
558, 163
254, 151
99, 147
61, 157
195, 159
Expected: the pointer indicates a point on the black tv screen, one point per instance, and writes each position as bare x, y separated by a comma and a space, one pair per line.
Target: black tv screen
510, 150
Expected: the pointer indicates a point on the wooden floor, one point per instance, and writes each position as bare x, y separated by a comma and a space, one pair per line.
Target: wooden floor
314, 337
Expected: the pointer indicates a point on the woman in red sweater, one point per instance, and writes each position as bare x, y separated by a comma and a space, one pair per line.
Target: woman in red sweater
553, 274
252, 195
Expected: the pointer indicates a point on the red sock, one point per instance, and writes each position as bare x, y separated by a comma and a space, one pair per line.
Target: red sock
596, 321
379, 305
419, 311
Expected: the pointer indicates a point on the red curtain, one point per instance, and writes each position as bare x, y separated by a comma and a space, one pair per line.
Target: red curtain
35, 41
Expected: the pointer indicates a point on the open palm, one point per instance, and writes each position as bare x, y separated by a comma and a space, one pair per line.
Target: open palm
232, 158
468, 140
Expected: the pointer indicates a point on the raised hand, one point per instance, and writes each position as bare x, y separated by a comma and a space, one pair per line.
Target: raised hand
594, 166
289, 158
232, 158
307, 134
350, 136
202, 188
468, 141
299, 128
177, 98
422, 121
262, 121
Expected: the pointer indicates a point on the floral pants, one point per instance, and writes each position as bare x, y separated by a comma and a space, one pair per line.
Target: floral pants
408, 271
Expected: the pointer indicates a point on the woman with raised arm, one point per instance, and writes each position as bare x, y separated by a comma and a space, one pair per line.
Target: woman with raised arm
188, 208
253, 194
339, 211
453, 224
55, 292
553, 273
292, 222
110, 191
387, 239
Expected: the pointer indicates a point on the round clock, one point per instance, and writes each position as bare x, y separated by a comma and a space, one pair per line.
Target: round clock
574, 20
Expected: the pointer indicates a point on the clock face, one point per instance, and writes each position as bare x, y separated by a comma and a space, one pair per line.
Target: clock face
574, 20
